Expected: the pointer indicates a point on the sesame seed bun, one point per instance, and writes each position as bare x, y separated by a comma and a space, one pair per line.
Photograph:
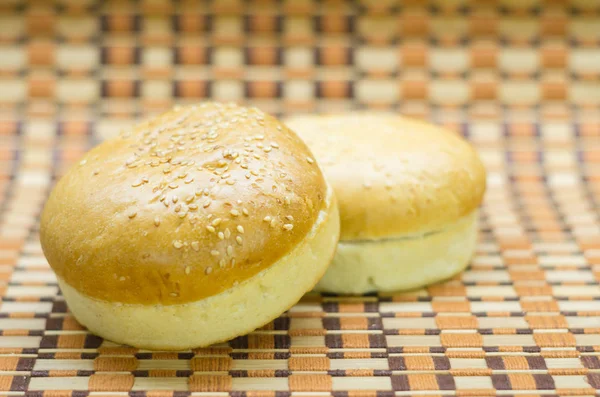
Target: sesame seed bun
397, 181
188, 222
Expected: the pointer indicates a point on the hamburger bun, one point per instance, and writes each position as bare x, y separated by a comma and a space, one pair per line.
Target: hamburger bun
199, 225
408, 193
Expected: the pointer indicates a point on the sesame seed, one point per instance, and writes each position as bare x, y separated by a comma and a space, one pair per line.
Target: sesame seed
96, 172
310, 160
227, 233
287, 200
221, 235
211, 229
239, 240
233, 264
208, 270
216, 222
189, 180
82, 162
182, 214
254, 172
248, 176
229, 250
240, 229
195, 246
188, 270
131, 214
230, 182
206, 203
267, 218
192, 207
273, 222
177, 244
189, 199
173, 185
289, 218
215, 253
174, 294
157, 221
245, 211
275, 145
174, 199
234, 213
177, 208
267, 149
137, 183
288, 226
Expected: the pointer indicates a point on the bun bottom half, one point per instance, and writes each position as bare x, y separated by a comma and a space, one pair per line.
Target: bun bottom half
236, 311
401, 263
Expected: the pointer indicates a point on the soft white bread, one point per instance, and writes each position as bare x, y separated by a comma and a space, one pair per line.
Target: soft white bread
235, 311
401, 263
159, 237
408, 193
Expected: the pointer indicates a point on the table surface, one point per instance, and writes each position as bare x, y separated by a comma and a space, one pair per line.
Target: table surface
521, 80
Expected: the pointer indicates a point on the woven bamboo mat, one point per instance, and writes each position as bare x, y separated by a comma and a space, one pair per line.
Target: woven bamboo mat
520, 79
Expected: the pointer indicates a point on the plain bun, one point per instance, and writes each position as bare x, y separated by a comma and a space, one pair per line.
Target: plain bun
185, 208
398, 182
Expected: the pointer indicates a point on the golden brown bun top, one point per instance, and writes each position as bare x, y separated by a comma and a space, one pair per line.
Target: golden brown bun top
183, 206
393, 175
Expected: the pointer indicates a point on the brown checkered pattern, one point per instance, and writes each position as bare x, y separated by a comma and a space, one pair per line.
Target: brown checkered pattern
520, 79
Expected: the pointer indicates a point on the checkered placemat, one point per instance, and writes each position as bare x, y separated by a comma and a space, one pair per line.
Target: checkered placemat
520, 79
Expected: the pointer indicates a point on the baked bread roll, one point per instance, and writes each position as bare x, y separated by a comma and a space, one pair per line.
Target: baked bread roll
195, 227
408, 193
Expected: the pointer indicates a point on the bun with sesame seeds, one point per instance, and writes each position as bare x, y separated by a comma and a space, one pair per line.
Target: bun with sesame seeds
408, 194
197, 226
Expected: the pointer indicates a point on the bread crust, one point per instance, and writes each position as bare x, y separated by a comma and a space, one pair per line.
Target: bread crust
393, 175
